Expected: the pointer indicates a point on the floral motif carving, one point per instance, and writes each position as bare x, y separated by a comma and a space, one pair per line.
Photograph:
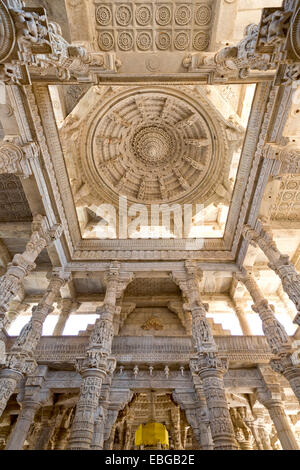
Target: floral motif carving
143, 15
152, 324
103, 15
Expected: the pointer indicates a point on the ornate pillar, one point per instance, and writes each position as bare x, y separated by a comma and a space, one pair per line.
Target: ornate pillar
280, 420
281, 264
175, 418
207, 365
239, 311
277, 338
30, 403
200, 415
67, 307
20, 359
21, 265
93, 368
98, 436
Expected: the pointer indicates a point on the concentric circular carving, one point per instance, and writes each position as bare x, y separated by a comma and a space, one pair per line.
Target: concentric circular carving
143, 15
183, 15
181, 41
163, 15
201, 41
163, 40
106, 41
203, 15
7, 33
125, 41
295, 34
144, 41
103, 15
153, 145
123, 15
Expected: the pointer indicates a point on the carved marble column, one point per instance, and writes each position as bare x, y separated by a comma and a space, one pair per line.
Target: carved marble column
101, 415
207, 365
175, 418
31, 399
202, 426
20, 359
211, 370
275, 333
67, 306
98, 436
94, 366
244, 324
281, 264
25, 419
280, 420
21, 265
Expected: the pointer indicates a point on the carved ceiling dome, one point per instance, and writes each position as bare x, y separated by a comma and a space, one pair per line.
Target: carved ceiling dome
153, 146
7, 33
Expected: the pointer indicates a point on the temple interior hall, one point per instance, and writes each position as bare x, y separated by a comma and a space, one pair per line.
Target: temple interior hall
150, 225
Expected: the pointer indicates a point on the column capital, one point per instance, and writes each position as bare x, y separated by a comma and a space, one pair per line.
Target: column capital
208, 362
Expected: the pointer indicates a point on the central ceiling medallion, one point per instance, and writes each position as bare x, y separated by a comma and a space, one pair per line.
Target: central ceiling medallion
156, 145
153, 145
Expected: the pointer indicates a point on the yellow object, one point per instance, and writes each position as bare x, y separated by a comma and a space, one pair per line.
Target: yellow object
151, 434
